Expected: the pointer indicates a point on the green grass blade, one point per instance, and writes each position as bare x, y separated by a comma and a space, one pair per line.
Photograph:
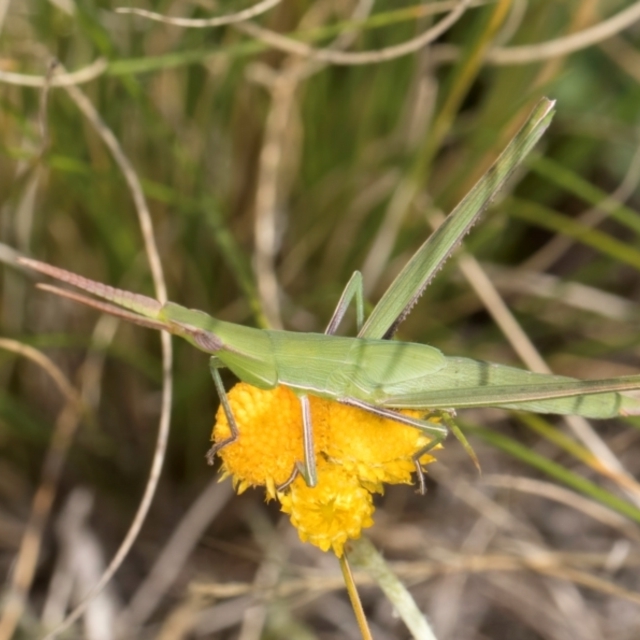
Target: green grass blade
560, 439
542, 216
567, 179
408, 286
557, 472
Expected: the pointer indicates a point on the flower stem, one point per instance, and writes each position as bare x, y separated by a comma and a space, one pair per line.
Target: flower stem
365, 556
355, 598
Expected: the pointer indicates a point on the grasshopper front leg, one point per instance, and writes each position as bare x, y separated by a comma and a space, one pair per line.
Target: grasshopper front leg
307, 468
352, 290
214, 366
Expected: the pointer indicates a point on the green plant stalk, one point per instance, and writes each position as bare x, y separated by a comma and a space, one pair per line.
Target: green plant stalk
253, 47
365, 556
546, 218
552, 434
462, 77
354, 597
556, 471
563, 177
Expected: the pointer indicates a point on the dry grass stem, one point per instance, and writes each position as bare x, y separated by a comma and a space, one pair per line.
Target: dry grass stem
565, 45
175, 554
569, 498
574, 294
52, 466
80, 564
81, 76
289, 45
573, 567
245, 14
146, 226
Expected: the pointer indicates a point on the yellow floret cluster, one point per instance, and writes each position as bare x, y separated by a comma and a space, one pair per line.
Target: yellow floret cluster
356, 453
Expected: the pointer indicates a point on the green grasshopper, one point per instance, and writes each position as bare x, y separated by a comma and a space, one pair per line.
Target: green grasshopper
371, 371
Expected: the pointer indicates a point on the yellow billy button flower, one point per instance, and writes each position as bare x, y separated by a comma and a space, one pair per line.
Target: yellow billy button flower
356, 452
376, 449
332, 512
270, 442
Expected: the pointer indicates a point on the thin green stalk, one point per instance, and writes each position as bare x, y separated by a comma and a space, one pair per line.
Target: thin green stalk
461, 81
542, 216
557, 471
354, 596
365, 556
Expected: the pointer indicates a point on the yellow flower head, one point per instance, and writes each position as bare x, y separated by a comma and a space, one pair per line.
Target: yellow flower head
270, 441
356, 452
376, 449
332, 512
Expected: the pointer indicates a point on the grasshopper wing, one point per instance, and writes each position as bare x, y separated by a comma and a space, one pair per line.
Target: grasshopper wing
473, 383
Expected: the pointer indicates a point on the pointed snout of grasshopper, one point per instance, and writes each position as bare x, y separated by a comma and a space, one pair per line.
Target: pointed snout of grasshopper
134, 302
105, 307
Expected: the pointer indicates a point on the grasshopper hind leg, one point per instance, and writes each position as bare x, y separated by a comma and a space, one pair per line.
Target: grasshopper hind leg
352, 291
306, 468
437, 432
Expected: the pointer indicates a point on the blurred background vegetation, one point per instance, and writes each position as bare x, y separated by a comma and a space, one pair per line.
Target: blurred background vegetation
271, 177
